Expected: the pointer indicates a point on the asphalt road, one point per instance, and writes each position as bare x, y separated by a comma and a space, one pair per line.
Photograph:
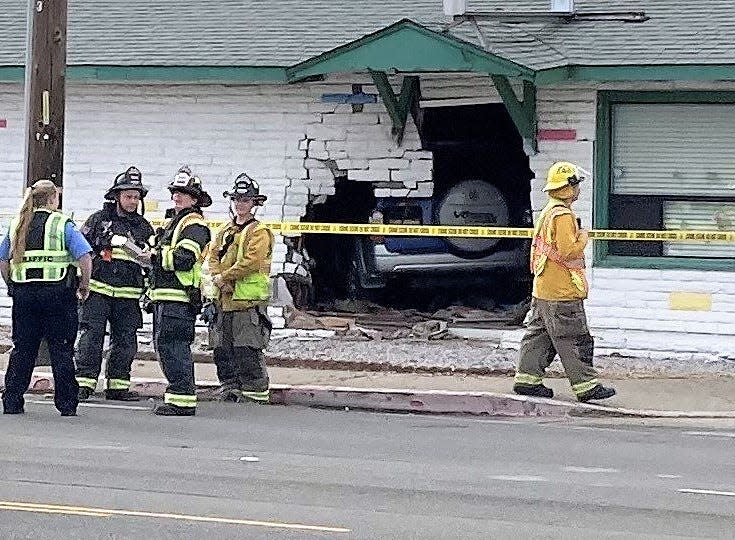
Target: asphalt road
238, 471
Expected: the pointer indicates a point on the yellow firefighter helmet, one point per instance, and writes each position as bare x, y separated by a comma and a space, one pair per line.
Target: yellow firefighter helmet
563, 173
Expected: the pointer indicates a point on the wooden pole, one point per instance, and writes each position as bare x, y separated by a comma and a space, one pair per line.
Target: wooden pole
45, 90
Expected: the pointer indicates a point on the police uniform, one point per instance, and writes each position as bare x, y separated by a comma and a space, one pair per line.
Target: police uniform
240, 255
557, 322
116, 286
43, 287
175, 294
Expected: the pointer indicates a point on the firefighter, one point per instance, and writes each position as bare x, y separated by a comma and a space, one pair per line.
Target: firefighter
116, 286
239, 262
38, 261
557, 321
174, 290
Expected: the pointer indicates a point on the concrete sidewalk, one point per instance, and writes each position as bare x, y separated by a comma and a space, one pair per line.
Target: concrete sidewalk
711, 397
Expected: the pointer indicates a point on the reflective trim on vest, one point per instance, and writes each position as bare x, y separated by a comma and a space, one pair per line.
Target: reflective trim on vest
118, 384
188, 278
114, 292
542, 248
180, 400
168, 295
54, 259
255, 286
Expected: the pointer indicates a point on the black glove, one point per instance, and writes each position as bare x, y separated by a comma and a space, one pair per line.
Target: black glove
209, 313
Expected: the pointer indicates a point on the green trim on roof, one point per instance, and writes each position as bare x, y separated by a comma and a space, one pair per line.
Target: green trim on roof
207, 74
663, 72
407, 47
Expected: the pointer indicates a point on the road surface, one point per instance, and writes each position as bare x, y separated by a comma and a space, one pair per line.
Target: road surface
238, 471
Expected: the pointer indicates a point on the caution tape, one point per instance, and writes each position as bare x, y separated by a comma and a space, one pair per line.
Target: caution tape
377, 229
449, 231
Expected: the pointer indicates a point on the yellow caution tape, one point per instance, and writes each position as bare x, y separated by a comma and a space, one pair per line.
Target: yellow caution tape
377, 229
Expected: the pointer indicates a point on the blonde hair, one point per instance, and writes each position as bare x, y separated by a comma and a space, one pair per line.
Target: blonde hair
38, 195
563, 193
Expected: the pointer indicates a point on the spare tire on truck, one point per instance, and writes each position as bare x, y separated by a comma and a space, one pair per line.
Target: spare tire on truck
473, 203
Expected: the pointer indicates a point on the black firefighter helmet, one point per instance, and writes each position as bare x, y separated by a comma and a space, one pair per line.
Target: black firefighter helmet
246, 188
130, 179
186, 182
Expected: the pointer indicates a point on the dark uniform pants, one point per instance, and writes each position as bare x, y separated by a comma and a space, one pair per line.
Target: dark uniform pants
43, 311
173, 331
125, 318
557, 327
238, 338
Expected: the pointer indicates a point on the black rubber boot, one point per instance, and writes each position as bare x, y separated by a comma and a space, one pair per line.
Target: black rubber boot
536, 390
121, 395
85, 393
173, 410
598, 392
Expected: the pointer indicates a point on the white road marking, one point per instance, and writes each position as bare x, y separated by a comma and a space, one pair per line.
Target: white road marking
96, 405
592, 470
726, 434
250, 459
519, 478
708, 492
669, 476
613, 430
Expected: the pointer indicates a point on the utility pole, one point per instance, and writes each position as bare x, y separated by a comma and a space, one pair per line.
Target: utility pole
45, 99
45, 90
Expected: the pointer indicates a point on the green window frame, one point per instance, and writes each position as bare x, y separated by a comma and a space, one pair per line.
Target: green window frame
606, 100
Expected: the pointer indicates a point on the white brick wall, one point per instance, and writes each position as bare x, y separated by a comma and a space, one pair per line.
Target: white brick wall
293, 144
629, 309
283, 136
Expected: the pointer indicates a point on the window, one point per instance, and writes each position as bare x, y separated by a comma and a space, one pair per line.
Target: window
666, 161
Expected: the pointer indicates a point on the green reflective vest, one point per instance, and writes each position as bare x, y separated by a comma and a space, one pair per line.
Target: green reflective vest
53, 260
256, 286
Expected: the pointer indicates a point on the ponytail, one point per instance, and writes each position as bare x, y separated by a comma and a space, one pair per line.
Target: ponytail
39, 194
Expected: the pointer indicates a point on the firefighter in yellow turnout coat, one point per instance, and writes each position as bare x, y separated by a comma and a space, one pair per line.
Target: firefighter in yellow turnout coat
558, 323
239, 262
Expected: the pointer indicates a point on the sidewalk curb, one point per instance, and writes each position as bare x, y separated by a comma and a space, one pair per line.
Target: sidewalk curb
416, 401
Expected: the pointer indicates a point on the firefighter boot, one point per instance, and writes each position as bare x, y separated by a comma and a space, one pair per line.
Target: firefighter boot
172, 410
598, 392
228, 391
256, 390
85, 392
536, 390
121, 395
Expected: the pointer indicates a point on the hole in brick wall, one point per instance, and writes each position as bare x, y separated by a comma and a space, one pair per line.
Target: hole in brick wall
481, 176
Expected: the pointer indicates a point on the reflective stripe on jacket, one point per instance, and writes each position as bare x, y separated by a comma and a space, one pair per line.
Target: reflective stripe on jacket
176, 290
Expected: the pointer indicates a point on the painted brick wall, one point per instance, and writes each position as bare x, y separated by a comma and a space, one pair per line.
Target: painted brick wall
629, 309
293, 144
283, 136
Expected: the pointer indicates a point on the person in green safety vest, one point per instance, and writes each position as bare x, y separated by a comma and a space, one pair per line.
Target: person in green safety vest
117, 284
239, 262
174, 290
39, 258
